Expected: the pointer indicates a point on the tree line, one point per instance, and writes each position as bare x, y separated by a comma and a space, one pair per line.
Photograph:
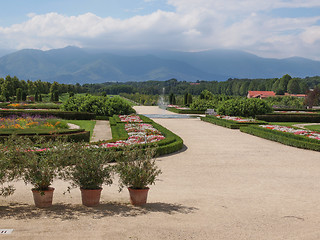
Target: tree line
11, 88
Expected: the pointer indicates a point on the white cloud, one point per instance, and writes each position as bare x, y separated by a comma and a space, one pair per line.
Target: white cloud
195, 25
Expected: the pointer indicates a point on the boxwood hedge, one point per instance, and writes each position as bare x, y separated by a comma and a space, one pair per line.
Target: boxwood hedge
227, 123
283, 137
290, 117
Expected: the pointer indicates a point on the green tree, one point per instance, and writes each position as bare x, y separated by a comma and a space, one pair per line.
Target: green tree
293, 86
19, 94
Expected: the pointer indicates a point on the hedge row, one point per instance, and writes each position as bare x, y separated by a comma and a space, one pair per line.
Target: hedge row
185, 111
170, 144
292, 117
283, 137
227, 123
58, 114
71, 135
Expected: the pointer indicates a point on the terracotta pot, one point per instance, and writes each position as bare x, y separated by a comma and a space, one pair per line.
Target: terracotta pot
43, 200
138, 196
90, 197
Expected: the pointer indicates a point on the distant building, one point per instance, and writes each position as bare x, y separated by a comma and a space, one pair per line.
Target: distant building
194, 83
261, 94
266, 94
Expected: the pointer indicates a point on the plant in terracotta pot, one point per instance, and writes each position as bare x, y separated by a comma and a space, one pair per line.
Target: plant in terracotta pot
35, 163
137, 170
89, 171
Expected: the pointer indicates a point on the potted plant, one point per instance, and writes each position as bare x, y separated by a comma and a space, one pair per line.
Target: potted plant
137, 170
89, 171
34, 164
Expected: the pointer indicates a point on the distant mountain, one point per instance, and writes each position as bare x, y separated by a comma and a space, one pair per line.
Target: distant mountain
72, 65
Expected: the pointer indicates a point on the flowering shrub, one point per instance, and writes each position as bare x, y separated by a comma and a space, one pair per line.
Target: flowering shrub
302, 132
237, 119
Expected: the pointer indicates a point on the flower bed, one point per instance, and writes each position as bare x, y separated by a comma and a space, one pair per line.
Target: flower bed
237, 119
139, 133
130, 118
301, 132
29, 122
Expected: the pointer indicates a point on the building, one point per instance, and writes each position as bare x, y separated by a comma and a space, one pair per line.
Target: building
261, 94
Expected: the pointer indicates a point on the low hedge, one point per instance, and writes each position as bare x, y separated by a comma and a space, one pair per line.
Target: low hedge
58, 114
184, 111
170, 144
227, 123
290, 117
283, 137
71, 135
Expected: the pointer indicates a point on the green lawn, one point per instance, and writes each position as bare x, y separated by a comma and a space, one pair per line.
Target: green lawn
88, 125
313, 127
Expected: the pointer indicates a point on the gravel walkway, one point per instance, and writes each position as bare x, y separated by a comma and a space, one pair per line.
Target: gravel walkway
101, 131
224, 185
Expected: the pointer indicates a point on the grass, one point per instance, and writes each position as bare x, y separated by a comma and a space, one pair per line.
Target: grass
313, 127
88, 125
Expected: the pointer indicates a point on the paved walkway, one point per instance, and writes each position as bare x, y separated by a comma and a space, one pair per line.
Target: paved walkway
226, 185
101, 131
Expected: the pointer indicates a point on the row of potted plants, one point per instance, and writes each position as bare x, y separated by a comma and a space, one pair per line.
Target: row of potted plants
87, 168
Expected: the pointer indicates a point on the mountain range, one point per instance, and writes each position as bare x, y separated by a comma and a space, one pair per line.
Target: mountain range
77, 65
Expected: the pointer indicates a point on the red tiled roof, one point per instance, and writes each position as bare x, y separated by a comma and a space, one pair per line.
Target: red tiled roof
261, 93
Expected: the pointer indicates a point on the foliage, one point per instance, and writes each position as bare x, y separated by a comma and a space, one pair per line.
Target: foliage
143, 99
33, 165
203, 105
313, 97
244, 107
285, 102
137, 167
89, 169
99, 105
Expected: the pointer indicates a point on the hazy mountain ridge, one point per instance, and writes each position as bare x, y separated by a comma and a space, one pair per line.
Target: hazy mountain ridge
72, 65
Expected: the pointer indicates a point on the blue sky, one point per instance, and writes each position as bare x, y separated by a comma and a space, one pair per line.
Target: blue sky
273, 28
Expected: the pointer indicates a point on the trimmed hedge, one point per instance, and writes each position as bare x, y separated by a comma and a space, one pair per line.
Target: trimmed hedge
170, 144
184, 111
227, 123
292, 117
283, 137
71, 135
58, 114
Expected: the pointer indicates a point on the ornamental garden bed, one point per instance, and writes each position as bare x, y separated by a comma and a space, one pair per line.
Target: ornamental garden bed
47, 127
300, 138
138, 129
230, 121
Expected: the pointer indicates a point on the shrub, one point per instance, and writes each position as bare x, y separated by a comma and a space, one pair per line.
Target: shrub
99, 105
203, 105
244, 107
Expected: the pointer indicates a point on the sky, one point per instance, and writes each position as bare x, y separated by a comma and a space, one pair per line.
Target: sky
267, 28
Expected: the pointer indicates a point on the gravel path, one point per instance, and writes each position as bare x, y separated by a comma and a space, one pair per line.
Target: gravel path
224, 185
101, 131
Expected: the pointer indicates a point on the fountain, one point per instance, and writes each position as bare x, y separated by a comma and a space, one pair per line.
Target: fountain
162, 102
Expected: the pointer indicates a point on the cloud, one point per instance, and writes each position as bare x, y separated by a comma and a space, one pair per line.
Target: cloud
193, 26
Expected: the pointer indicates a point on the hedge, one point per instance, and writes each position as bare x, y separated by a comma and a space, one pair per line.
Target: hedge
184, 111
292, 117
227, 123
71, 135
58, 114
170, 144
283, 137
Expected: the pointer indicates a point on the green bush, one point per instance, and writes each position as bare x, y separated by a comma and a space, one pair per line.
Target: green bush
244, 107
283, 137
203, 105
99, 105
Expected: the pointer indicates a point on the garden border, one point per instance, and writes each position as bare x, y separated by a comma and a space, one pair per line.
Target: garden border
228, 123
